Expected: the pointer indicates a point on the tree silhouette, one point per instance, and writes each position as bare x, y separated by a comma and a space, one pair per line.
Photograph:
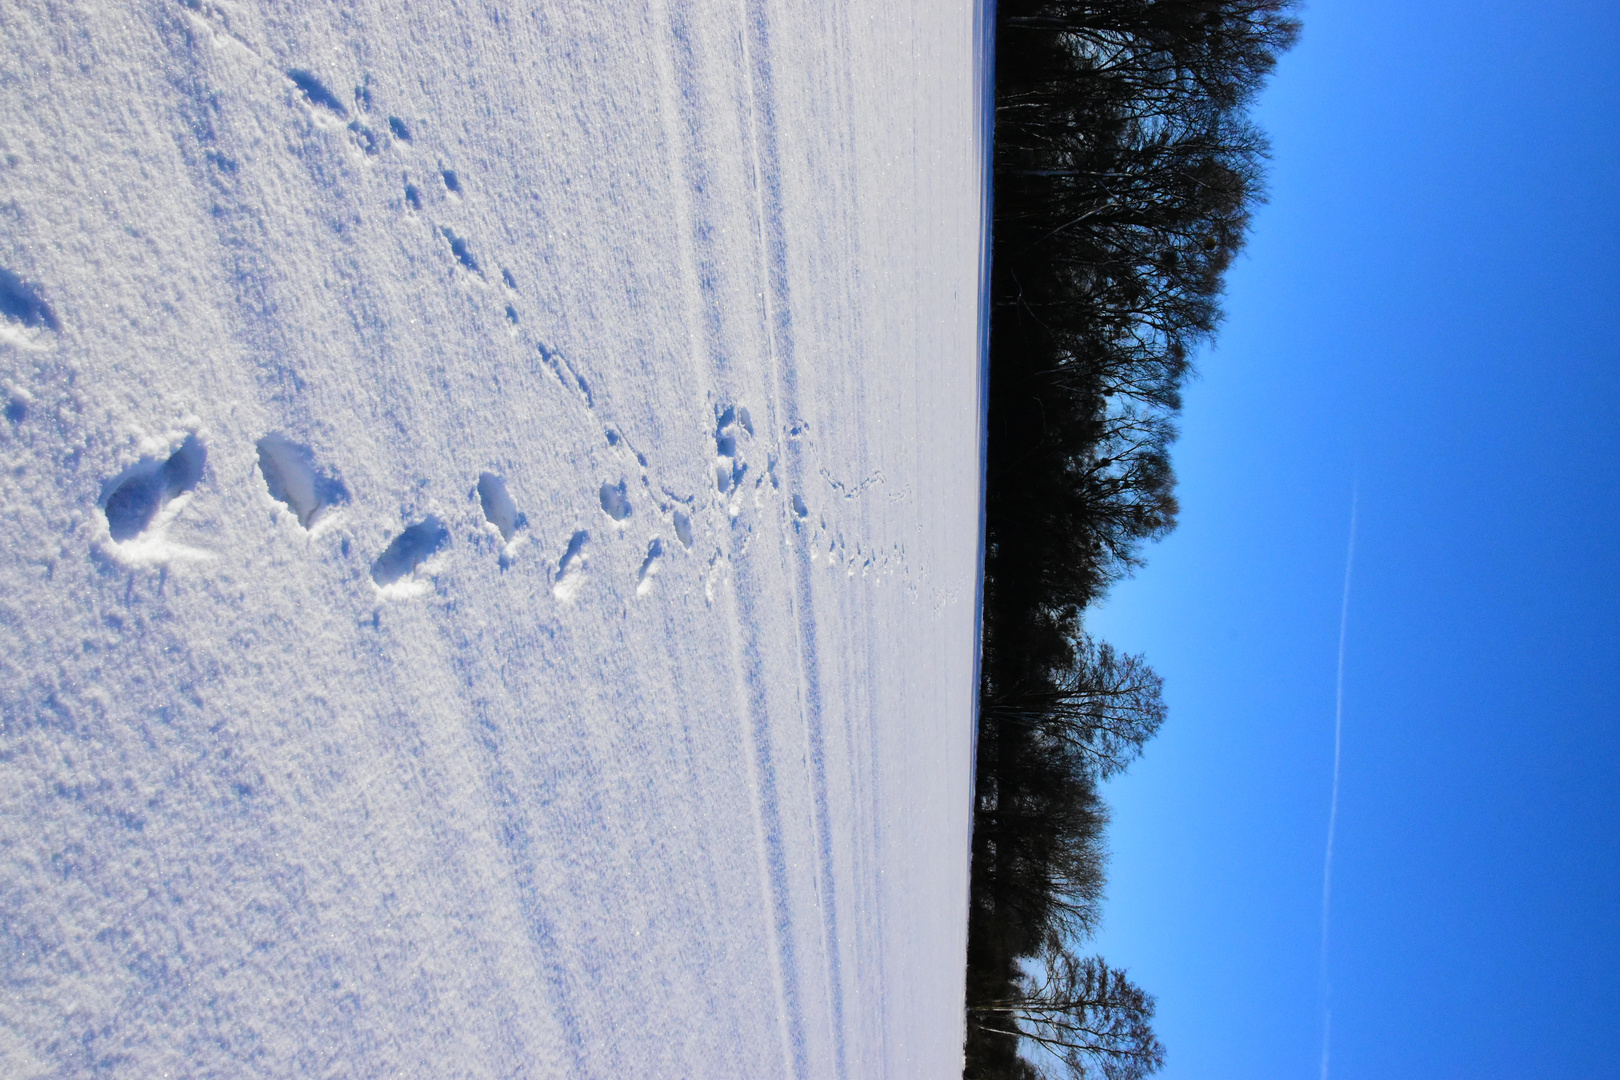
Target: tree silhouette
1082, 1017
1105, 708
1126, 170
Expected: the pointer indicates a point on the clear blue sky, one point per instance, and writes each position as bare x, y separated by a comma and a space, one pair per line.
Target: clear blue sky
1427, 310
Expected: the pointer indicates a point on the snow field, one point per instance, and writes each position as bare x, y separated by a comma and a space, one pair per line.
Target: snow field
490, 511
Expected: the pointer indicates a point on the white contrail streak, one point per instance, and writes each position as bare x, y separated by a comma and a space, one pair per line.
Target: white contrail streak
1333, 805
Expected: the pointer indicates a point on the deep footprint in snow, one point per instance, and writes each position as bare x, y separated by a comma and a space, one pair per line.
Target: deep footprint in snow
291, 475
683, 528
315, 91
500, 510
571, 568
615, 500
20, 303
649, 567
729, 466
463, 253
409, 550
136, 496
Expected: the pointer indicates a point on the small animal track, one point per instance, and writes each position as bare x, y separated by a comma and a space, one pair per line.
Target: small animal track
316, 91
413, 197
683, 528
615, 500
290, 474
409, 550
136, 496
614, 438
729, 466
725, 440
571, 568
452, 182
508, 280
558, 363
649, 567
400, 130
463, 253
500, 510
21, 303
579, 381
850, 492
368, 142
800, 510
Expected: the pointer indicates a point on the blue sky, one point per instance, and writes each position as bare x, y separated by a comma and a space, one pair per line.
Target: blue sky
1425, 313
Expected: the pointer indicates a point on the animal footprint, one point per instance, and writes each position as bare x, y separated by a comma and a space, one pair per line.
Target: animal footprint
23, 314
315, 91
365, 138
615, 500
683, 528
463, 253
571, 568
649, 567
136, 496
290, 474
499, 508
409, 550
558, 362
729, 466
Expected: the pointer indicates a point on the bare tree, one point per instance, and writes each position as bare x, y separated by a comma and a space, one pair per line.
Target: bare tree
1104, 708
1081, 1017
1126, 169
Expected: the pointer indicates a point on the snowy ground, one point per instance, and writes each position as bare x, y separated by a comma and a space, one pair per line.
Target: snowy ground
489, 510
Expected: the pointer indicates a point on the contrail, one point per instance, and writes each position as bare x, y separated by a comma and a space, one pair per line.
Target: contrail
1333, 806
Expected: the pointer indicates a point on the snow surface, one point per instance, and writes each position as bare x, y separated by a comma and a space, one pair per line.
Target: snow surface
490, 508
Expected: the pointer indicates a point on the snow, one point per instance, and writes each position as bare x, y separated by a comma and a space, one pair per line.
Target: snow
490, 501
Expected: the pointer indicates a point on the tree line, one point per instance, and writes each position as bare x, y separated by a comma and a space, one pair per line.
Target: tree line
1125, 171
